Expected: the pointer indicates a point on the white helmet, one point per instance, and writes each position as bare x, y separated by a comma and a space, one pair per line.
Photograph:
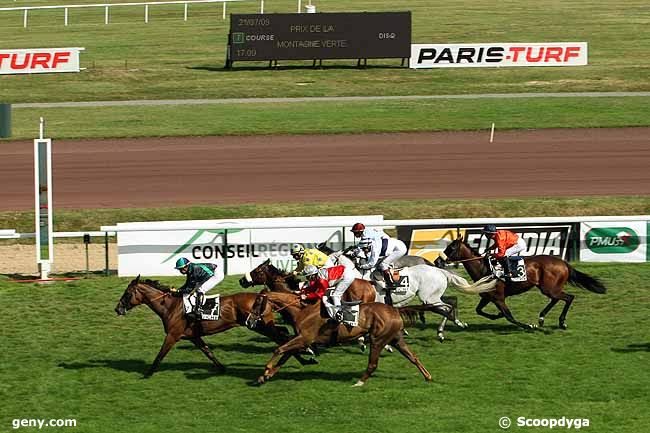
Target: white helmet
297, 249
310, 270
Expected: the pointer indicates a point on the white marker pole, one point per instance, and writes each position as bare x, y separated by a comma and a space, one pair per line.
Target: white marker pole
492, 133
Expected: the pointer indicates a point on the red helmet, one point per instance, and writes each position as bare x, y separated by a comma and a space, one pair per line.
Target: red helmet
358, 227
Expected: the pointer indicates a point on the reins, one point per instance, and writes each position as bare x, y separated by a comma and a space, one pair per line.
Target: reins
466, 260
288, 305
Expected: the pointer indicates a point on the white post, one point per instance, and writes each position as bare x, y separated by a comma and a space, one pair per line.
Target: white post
261, 6
25, 19
224, 11
185, 12
146, 14
299, 6
492, 133
106, 15
65, 14
43, 202
41, 129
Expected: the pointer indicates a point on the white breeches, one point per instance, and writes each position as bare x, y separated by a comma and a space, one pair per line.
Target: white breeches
332, 298
517, 248
396, 249
190, 300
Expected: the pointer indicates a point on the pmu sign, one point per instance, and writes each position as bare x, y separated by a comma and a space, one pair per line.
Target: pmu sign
39, 60
498, 54
365, 35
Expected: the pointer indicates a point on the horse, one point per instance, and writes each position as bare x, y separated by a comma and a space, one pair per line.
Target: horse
234, 312
548, 273
276, 281
427, 282
382, 322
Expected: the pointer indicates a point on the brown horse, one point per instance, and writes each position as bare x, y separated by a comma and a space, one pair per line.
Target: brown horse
381, 322
548, 273
277, 281
234, 311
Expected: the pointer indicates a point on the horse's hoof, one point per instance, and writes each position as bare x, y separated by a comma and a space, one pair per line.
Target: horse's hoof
441, 338
563, 325
541, 321
406, 332
261, 380
358, 384
389, 349
532, 327
362, 347
220, 368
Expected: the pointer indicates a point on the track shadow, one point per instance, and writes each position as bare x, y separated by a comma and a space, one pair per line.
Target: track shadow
232, 347
244, 371
288, 67
637, 347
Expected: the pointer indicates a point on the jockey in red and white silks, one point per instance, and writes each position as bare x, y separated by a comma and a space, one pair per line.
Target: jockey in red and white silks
332, 282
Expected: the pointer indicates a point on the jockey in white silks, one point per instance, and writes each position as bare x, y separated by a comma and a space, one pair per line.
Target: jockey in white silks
380, 255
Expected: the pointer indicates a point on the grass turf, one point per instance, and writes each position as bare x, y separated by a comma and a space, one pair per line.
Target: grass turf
66, 355
92, 219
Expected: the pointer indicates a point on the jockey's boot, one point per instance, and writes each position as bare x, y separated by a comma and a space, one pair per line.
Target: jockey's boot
506, 267
388, 298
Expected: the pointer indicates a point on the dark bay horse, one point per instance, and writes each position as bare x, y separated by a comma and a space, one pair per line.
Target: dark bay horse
234, 311
548, 273
381, 322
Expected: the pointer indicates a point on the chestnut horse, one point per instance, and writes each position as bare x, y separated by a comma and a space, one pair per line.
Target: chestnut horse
548, 273
234, 311
381, 322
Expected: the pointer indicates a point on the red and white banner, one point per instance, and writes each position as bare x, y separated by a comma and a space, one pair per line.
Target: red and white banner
39, 60
498, 55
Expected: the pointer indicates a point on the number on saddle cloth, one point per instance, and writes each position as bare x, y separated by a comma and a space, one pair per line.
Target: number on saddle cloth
350, 312
210, 309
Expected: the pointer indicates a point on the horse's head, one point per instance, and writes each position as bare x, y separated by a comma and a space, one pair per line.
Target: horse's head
130, 298
455, 251
258, 276
257, 311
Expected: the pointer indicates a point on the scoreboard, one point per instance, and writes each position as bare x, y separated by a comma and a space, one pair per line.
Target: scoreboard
363, 35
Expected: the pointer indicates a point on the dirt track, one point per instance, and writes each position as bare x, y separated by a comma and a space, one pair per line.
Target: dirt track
216, 170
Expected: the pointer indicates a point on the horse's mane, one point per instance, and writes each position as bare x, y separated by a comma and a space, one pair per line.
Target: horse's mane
472, 249
291, 280
156, 285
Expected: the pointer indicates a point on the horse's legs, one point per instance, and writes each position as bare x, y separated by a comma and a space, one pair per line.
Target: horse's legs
501, 305
373, 360
400, 345
479, 310
166, 347
546, 309
198, 342
274, 333
293, 345
453, 301
568, 299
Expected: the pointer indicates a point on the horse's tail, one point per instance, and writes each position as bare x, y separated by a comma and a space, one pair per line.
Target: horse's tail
485, 284
585, 281
411, 314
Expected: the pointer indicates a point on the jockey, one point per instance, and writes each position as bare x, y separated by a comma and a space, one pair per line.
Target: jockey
309, 256
506, 243
332, 282
360, 231
381, 253
201, 277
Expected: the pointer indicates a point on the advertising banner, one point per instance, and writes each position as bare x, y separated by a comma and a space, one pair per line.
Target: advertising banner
498, 55
237, 250
39, 60
429, 242
613, 241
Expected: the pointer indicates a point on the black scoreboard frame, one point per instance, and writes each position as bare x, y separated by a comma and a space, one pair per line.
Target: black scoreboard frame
319, 36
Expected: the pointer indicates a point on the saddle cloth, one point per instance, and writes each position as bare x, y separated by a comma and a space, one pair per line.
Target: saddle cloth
350, 312
209, 310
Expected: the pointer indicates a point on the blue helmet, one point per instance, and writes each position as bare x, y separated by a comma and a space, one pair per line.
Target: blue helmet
181, 263
490, 228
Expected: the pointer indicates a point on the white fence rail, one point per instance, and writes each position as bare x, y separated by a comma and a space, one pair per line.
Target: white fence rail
107, 7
